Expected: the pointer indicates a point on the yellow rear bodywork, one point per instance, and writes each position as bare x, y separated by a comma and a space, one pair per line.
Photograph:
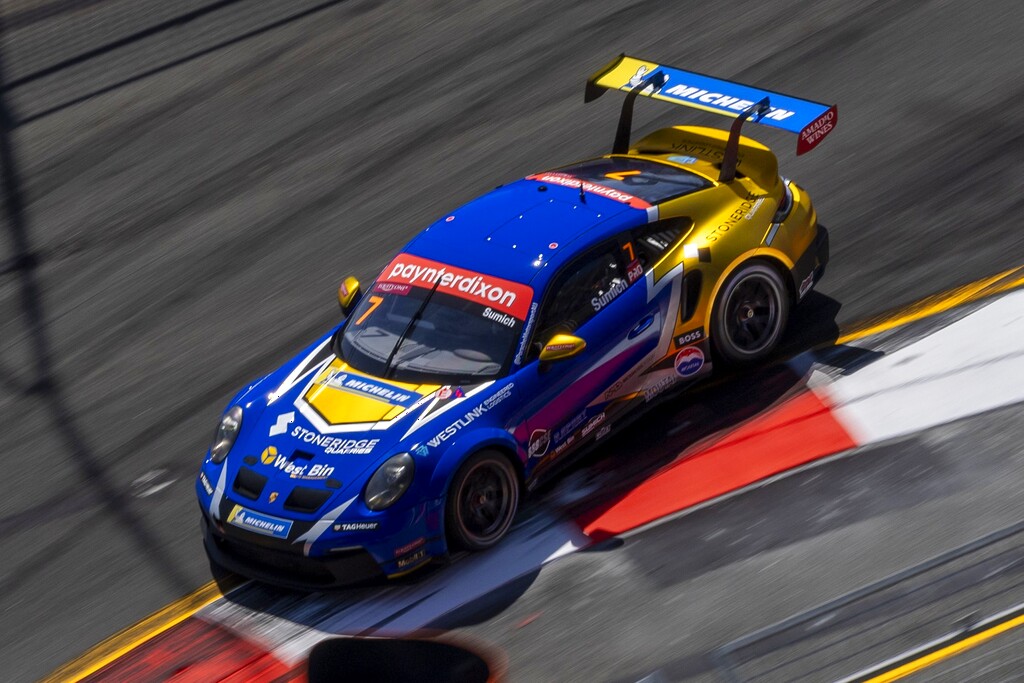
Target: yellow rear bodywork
732, 222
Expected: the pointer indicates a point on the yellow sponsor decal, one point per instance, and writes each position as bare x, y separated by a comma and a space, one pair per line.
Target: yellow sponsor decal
268, 456
343, 396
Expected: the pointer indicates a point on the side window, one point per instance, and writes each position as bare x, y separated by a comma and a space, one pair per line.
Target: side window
583, 288
653, 240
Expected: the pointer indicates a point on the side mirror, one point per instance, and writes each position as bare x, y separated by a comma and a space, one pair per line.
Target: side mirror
560, 347
348, 294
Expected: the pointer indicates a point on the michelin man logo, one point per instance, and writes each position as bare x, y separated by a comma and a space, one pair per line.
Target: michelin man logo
641, 75
281, 426
638, 77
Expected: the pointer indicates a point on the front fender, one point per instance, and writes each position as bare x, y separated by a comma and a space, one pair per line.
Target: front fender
478, 439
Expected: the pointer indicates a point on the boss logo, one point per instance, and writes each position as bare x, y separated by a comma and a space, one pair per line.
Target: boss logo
690, 337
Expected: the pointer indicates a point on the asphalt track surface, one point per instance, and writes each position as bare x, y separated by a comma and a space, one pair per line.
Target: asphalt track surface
194, 194
660, 602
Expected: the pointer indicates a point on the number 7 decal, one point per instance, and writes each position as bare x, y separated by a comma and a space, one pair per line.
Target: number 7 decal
375, 301
628, 248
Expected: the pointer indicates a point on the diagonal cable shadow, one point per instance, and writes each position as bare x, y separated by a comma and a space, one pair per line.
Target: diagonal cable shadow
181, 20
23, 261
46, 387
176, 22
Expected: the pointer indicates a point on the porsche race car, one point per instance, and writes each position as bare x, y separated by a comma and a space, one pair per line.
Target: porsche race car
513, 334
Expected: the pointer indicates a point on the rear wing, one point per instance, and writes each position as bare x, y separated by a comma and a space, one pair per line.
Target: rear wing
811, 121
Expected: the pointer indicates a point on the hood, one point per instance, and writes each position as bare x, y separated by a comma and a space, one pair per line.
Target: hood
334, 423
327, 426
316, 428
340, 396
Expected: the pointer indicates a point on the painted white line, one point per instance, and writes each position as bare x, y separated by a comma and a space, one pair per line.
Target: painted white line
973, 366
920, 650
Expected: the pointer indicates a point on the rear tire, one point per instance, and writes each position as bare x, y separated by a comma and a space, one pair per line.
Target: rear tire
482, 501
750, 314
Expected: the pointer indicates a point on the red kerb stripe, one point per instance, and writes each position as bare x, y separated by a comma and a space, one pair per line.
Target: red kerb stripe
196, 651
796, 432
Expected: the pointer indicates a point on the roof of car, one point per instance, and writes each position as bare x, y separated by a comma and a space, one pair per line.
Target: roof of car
524, 230
519, 231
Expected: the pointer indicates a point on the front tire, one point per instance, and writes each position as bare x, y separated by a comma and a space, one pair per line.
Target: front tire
750, 314
482, 501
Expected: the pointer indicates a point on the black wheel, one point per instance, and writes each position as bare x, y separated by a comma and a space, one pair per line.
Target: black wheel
750, 314
482, 501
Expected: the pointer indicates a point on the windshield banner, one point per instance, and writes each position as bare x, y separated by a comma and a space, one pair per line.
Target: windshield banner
501, 296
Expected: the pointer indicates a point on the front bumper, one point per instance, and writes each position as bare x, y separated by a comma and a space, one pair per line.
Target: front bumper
287, 569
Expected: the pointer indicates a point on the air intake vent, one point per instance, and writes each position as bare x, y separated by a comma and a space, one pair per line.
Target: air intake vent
249, 483
306, 499
691, 295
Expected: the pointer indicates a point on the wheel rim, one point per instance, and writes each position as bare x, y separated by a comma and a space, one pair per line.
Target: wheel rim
486, 502
752, 314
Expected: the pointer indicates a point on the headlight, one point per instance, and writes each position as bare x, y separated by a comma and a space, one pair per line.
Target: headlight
227, 432
389, 482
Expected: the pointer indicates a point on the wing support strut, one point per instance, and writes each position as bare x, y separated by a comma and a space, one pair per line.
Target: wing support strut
656, 81
732, 145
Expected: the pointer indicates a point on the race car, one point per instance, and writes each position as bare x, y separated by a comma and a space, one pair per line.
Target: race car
513, 334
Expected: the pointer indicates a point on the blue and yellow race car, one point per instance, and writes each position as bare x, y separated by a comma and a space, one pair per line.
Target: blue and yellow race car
512, 334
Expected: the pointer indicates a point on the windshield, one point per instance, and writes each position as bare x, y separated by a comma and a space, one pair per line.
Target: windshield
466, 332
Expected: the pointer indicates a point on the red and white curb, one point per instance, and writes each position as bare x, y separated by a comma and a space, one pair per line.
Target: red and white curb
229, 641
971, 366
